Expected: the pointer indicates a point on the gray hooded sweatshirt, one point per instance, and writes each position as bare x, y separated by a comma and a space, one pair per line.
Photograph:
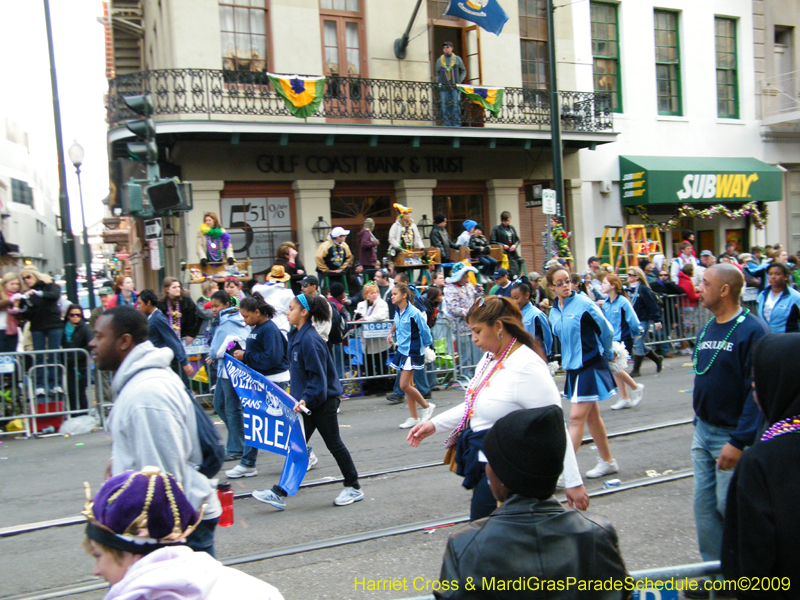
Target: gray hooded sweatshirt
153, 423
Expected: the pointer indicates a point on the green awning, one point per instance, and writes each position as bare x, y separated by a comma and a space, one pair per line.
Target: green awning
680, 179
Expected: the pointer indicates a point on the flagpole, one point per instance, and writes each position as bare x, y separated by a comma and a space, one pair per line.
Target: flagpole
401, 43
555, 113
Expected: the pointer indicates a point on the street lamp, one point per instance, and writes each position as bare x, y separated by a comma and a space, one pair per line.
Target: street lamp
321, 230
76, 157
425, 226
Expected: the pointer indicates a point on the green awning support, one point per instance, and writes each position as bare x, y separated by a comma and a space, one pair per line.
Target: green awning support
687, 180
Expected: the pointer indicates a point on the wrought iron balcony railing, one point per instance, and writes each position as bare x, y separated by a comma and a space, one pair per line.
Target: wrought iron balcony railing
213, 94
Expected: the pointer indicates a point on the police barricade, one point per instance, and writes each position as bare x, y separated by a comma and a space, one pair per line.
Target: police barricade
42, 388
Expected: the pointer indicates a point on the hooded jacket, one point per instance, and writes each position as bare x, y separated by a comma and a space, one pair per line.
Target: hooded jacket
179, 572
785, 313
153, 423
582, 329
231, 328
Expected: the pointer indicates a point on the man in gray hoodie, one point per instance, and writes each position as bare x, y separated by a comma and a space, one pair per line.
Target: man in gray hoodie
153, 421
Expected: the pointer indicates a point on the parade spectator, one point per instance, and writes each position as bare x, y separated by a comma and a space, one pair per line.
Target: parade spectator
620, 314
124, 294
438, 280
464, 236
538, 293
278, 296
231, 331
686, 257
779, 305
730, 252
162, 334
213, 242
376, 350
440, 238
204, 312
688, 238
577, 285
266, 353
688, 305
448, 73
586, 337
533, 319
512, 374
287, 257
761, 530
726, 415
593, 263
310, 287
106, 297
459, 296
153, 421
233, 287
413, 336
520, 538
479, 249
333, 256
403, 234
314, 384
505, 235
77, 335
384, 284
137, 528
10, 299
179, 309
40, 307
646, 306
502, 284
368, 247
338, 300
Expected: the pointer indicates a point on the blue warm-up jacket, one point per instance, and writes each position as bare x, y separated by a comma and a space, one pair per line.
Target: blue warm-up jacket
412, 331
313, 375
163, 336
786, 312
266, 350
536, 323
583, 331
623, 318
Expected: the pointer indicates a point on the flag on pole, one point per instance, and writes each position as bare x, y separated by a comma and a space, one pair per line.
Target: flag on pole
270, 422
302, 95
486, 13
489, 98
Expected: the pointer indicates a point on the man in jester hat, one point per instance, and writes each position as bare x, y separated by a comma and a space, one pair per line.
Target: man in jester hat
403, 234
450, 71
727, 418
213, 242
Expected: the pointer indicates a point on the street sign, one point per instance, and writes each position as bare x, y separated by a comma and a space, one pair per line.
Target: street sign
549, 202
156, 259
153, 230
122, 255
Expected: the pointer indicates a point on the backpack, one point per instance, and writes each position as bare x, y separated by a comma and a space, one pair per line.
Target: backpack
211, 444
339, 325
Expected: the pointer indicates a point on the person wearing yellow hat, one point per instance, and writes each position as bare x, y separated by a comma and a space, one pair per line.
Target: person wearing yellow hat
278, 274
404, 235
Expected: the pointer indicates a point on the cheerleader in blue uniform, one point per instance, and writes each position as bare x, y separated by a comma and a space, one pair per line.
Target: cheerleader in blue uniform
533, 319
586, 338
413, 336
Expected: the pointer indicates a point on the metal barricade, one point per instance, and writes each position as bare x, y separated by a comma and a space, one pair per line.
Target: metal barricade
39, 389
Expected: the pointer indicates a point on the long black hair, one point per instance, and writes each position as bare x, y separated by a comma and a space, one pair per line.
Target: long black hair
256, 303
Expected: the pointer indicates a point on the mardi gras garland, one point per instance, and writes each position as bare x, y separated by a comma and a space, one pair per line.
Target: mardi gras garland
561, 241
217, 242
750, 209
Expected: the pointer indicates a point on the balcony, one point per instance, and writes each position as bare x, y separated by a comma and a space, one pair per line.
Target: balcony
356, 105
780, 102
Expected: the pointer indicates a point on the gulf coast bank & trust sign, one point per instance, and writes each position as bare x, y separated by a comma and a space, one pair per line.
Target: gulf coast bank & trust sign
355, 165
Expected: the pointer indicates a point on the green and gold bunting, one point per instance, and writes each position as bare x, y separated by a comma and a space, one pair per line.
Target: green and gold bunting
302, 95
488, 97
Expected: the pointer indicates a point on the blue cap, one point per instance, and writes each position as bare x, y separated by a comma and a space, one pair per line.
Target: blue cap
500, 273
469, 224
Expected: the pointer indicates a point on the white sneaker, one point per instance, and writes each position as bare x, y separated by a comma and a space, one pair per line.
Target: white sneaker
623, 403
602, 468
426, 413
40, 392
347, 496
685, 352
312, 459
241, 471
409, 423
637, 395
58, 390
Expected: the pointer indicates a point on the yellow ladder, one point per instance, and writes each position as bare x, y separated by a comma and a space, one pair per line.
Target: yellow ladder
612, 235
636, 243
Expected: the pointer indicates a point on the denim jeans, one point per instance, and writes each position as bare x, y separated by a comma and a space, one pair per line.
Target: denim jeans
202, 538
451, 115
337, 354
49, 339
8, 343
229, 409
488, 265
638, 342
710, 486
323, 419
420, 381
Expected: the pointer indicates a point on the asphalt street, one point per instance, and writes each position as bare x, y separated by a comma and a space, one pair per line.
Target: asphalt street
42, 479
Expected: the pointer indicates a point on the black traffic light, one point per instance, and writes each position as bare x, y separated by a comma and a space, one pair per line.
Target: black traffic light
146, 150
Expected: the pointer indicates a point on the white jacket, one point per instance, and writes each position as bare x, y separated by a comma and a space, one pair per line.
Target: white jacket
380, 312
278, 297
153, 423
178, 572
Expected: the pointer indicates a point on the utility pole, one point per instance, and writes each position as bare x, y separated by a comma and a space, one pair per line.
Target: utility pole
67, 241
555, 112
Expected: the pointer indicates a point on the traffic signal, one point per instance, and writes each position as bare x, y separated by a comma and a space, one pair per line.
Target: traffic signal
146, 150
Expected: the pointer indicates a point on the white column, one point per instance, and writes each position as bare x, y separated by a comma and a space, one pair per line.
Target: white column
583, 223
312, 199
418, 194
503, 196
205, 198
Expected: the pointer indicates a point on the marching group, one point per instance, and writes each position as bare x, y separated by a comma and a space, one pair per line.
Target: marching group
511, 408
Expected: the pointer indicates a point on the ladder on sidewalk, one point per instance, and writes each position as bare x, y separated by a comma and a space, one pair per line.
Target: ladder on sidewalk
626, 244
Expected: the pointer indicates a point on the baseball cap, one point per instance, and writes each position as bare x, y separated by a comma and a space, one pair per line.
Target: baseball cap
500, 273
337, 231
309, 280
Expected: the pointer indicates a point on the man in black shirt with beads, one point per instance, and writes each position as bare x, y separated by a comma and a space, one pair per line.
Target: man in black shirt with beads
726, 416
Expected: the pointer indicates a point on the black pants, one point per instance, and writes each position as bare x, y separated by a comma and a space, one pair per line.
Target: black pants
324, 419
483, 501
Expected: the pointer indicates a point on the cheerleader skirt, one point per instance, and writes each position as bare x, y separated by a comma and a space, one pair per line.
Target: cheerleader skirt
401, 362
590, 383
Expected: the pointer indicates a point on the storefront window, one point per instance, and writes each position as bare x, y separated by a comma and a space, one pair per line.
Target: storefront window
727, 88
668, 63
257, 227
460, 207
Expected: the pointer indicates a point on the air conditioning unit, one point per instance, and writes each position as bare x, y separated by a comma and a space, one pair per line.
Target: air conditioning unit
606, 186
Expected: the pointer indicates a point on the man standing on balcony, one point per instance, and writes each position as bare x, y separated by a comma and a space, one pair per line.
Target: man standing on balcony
449, 71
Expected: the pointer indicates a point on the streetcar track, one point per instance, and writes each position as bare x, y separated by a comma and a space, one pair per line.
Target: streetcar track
78, 520
86, 587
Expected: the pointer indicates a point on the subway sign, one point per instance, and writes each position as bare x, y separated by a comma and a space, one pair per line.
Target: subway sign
676, 180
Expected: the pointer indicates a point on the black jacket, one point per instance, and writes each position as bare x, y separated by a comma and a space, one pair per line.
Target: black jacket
645, 304
190, 321
479, 246
529, 538
43, 311
500, 236
80, 339
441, 239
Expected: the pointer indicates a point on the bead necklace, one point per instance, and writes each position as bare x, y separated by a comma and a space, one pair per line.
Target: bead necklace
739, 320
338, 255
174, 316
790, 425
214, 254
472, 393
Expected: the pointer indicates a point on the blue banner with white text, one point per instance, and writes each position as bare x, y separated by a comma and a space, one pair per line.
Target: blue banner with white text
486, 13
270, 422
